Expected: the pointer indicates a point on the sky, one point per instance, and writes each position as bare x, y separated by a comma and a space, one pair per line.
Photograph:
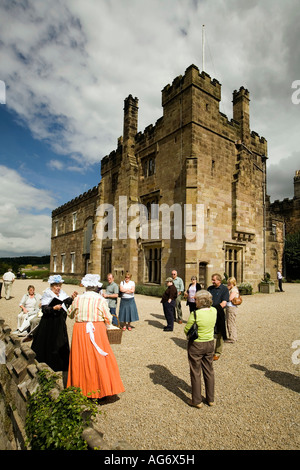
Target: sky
66, 67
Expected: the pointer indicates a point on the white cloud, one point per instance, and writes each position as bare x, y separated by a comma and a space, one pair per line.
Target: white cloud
56, 165
2, 92
24, 225
68, 68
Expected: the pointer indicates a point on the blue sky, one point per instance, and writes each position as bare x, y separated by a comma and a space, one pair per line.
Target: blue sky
36, 162
68, 65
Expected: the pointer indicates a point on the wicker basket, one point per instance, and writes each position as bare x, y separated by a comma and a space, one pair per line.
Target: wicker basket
115, 335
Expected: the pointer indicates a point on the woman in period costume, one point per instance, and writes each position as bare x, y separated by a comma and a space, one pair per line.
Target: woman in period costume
93, 367
51, 343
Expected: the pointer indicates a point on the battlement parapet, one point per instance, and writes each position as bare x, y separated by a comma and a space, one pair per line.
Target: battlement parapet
258, 143
192, 76
257, 138
114, 158
242, 92
149, 132
284, 205
130, 101
225, 121
77, 200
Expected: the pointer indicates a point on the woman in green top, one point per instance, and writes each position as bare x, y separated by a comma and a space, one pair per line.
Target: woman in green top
201, 351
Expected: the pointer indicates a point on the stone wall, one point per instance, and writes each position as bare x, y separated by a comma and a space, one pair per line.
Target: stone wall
72, 228
18, 380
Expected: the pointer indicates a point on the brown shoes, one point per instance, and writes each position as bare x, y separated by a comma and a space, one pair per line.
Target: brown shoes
216, 357
190, 403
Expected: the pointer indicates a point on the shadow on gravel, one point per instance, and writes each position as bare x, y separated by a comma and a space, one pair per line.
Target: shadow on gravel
155, 323
282, 378
162, 376
181, 342
157, 315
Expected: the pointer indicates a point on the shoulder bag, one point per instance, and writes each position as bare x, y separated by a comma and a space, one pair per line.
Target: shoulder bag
192, 334
237, 300
120, 294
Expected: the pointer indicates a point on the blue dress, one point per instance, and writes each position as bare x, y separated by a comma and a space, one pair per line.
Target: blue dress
128, 311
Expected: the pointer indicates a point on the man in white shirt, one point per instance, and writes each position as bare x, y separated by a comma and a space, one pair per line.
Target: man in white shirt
178, 283
8, 279
279, 277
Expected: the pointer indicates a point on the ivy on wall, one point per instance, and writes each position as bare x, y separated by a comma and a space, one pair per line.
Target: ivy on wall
55, 421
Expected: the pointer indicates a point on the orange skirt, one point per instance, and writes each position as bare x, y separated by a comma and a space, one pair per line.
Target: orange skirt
97, 376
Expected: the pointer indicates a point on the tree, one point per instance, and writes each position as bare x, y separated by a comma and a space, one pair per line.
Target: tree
292, 256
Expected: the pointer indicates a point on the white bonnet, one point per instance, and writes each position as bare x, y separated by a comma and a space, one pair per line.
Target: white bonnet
56, 279
91, 280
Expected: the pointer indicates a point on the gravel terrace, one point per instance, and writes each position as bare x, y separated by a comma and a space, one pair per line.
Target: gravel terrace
257, 378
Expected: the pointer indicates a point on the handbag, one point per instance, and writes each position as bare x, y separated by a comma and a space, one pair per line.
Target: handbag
237, 300
120, 294
192, 334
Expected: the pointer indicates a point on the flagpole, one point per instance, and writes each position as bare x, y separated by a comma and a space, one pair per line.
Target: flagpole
203, 51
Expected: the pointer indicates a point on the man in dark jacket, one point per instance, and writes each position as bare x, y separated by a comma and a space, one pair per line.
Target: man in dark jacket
168, 301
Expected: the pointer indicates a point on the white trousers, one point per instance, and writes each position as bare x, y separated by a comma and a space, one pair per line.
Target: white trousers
7, 289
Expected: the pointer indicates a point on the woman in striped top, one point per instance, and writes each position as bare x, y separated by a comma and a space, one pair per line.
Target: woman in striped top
92, 367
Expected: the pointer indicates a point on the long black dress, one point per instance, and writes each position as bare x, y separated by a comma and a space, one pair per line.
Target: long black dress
51, 342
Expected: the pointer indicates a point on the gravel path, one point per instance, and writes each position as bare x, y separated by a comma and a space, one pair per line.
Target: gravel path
257, 379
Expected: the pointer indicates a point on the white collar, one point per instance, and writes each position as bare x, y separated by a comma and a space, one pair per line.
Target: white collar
48, 295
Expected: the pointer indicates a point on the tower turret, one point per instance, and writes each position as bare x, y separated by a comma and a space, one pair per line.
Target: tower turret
297, 184
241, 113
130, 125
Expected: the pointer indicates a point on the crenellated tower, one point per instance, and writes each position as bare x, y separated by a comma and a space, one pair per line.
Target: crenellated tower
297, 185
192, 156
241, 113
130, 123
119, 189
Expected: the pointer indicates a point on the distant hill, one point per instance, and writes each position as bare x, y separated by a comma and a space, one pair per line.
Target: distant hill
16, 262
34, 260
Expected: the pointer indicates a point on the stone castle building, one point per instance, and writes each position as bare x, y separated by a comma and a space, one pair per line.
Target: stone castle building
209, 171
289, 209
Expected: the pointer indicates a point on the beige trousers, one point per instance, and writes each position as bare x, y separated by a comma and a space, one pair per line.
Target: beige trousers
7, 289
230, 318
